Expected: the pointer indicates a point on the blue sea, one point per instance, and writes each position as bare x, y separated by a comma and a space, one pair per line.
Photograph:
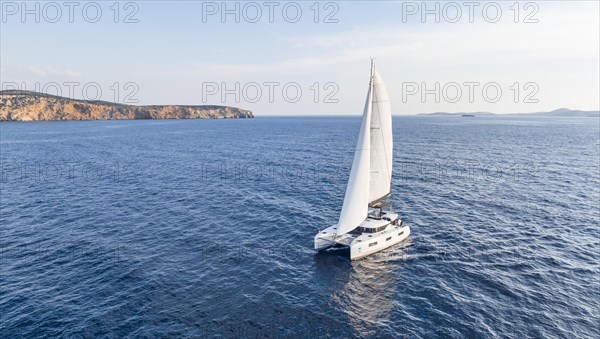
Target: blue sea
204, 228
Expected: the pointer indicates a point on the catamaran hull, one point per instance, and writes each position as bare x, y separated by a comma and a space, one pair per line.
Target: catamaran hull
361, 249
327, 238
365, 244
322, 243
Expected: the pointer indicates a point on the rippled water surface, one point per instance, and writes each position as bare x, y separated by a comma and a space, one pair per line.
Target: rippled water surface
204, 228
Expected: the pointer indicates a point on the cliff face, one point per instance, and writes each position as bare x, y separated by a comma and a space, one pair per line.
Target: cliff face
32, 106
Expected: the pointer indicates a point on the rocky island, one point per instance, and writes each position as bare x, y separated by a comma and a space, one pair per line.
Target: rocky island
561, 112
16, 105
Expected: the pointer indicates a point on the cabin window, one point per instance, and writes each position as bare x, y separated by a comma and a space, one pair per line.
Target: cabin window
388, 239
371, 230
401, 233
373, 244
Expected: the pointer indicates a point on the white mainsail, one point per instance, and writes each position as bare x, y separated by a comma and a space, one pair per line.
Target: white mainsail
381, 141
356, 201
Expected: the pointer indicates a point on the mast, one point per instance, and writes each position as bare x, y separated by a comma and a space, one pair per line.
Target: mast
372, 70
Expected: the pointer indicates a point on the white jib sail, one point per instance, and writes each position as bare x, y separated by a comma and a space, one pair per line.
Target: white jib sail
356, 203
381, 141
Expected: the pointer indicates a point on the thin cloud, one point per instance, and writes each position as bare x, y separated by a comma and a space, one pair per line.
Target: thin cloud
72, 73
556, 37
49, 71
37, 71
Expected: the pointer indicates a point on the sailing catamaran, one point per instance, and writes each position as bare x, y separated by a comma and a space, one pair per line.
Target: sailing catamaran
367, 224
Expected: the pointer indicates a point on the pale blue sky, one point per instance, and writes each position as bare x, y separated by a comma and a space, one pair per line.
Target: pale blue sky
173, 57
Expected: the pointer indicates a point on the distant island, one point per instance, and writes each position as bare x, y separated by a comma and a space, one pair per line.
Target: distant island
561, 112
16, 105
